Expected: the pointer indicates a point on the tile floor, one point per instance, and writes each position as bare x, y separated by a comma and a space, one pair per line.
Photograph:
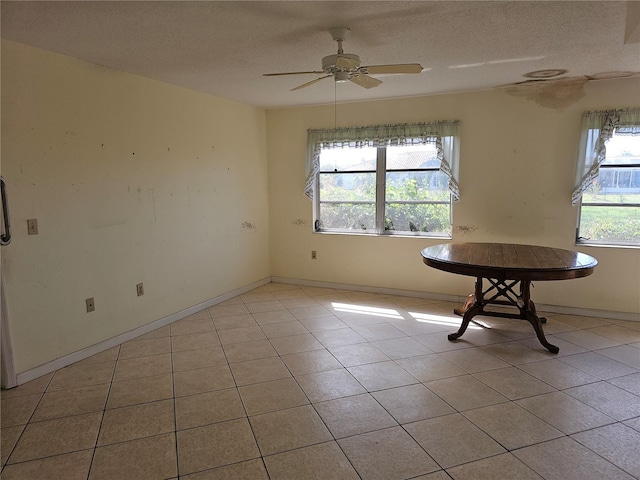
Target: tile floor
294, 382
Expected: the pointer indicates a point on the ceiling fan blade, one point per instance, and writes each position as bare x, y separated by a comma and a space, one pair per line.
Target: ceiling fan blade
347, 63
289, 73
399, 68
310, 83
365, 81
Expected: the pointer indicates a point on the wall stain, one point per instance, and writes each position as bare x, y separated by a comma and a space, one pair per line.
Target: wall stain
248, 226
465, 229
153, 201
551, 94
299, 222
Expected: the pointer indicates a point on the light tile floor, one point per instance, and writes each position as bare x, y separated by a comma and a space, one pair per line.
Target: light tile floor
294, 382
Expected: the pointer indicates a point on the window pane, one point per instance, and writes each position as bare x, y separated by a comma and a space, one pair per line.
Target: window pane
610, 224
417, 217
417, 186
348, 216
348, 186
347, 192
615, 185
622, 150
348, 159
412, 157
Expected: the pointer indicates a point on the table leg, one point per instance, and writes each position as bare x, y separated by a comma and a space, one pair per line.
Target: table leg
528, 312
532, 307
533, 319
468, 303
469, 313
472, 306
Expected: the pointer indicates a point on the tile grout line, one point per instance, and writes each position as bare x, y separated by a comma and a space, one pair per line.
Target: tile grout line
242, 402
175, 413
374, 399
310, 404
6, 463
104, 410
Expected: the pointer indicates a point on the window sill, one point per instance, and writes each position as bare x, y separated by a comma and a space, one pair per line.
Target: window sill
607, 245
386, 235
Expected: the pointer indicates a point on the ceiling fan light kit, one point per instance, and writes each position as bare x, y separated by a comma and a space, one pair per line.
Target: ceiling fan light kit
341, 77
345, 67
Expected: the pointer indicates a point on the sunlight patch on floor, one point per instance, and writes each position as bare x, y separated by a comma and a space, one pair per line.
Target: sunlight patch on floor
364, 310
441, 320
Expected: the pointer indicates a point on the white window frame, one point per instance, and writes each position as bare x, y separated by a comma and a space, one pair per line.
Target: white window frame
444, 134
598, 127
380, 203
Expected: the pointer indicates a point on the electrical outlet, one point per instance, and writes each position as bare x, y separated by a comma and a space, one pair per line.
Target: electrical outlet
313, 255
91, 304
140, 289
32, 226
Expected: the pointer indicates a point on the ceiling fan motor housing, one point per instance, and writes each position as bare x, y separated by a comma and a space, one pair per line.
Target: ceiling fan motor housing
329, 62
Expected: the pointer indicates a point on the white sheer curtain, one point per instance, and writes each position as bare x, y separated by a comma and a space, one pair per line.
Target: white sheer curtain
443, 134
597, 128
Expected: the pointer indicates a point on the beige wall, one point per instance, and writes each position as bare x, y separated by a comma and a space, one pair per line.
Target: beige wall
516, 176
131, 181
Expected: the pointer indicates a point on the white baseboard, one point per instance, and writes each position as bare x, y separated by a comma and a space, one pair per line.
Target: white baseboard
9, 378
586, 312
362, 288
74, 357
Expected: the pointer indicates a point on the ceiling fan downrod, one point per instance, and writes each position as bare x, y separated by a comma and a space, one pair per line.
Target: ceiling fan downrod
339, 34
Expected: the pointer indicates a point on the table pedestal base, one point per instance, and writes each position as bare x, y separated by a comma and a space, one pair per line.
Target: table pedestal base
502, 293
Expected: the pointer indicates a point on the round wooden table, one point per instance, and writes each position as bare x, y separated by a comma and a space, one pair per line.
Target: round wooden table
507, 266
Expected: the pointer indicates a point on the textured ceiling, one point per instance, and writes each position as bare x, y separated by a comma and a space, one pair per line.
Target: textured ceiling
222, 48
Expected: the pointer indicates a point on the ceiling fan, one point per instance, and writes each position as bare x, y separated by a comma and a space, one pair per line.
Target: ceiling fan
346, 66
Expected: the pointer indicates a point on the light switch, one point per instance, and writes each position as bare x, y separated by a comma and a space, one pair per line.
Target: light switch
32, 226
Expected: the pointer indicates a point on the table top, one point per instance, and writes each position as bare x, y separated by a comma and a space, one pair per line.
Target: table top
507, 261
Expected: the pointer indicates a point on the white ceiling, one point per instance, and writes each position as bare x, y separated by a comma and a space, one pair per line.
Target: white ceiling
222, 48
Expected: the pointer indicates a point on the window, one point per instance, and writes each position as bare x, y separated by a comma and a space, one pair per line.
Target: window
609, 188
398, 182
